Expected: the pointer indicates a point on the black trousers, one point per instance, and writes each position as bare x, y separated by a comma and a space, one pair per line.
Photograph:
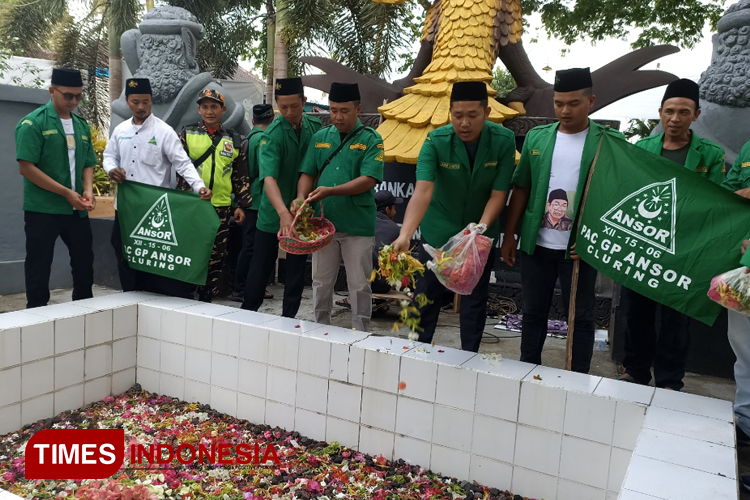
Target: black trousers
667, 351
132, 279
539, 273
246, 254
265, 251
42, 231
473, 315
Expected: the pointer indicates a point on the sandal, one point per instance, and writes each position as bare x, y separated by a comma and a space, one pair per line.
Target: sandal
627, 378
344, 303
268, 295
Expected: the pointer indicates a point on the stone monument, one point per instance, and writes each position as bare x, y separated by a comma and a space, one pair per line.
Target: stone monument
163, 49
725, 85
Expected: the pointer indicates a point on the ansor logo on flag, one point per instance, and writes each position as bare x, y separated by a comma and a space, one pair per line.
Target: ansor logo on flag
649, 214
156, 225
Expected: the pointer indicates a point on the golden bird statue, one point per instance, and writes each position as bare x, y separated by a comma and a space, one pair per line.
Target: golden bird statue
466, 37
461, 40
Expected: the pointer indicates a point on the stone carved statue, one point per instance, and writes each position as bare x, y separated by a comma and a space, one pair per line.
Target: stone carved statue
726, 82
725, 85
163, 49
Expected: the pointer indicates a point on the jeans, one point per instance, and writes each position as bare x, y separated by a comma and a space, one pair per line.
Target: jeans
473, 315
667, 352
739, 339
246, 254
42, 231
539, 273
266, 250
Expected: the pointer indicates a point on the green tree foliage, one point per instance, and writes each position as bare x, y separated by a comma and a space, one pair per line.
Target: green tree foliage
502, 82
231, 30
639, 129
28, 74
679, 22
370, 38
84, 45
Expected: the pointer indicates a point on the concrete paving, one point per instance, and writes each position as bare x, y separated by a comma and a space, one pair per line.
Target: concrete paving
447, 334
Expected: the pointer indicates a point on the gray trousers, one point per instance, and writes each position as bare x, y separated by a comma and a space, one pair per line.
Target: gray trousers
357, 254
739, 338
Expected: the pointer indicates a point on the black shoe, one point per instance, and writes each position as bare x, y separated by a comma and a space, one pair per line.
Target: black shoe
742, 438
237, 296
745, 483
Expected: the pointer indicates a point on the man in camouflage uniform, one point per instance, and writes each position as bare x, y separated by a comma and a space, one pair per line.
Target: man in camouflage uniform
220, 156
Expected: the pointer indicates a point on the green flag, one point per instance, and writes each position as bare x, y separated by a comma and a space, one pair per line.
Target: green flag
659, 229
166, 232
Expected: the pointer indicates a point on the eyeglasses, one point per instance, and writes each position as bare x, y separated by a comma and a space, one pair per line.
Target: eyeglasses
68, 96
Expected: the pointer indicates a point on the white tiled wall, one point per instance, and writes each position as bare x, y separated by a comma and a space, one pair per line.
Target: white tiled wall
62, 357
536, 431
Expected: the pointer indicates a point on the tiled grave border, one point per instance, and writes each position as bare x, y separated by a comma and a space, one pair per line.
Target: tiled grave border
535, 430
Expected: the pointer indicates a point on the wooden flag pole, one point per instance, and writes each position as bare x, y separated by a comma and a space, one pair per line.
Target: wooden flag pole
577, 266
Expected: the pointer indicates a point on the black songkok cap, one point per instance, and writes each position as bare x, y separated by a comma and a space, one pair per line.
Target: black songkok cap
262, 111
344, 92
137, 86
570, 80
683, 88
66, 77
557, 194
289, 86
469, 91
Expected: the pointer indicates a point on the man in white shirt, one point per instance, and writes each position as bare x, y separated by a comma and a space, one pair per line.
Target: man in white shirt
548, 184
145, 149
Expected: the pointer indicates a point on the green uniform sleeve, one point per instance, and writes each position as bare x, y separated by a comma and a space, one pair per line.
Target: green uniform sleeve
269, 157
372, 163
310, 161
28, 141
716, 167
427, 162
505, 165
91, 159
522, 175
733, 181
252, 157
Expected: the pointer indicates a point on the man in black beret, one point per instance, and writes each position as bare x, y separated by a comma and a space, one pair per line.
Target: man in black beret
463, 177
56, 158
555, 159
667, 352
145, 149
280, 153
346, 160
263, 115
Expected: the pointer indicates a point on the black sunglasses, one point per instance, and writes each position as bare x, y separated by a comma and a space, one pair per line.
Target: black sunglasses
68, 96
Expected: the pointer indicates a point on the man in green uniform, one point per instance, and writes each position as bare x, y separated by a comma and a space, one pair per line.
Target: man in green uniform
667, 352
738, 331
347, 160
554, 157
679, 109
220, 157
463, 177
262, 117
57, 160
280, 154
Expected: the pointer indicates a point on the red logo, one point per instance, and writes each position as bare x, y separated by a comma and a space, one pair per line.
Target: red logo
74, 453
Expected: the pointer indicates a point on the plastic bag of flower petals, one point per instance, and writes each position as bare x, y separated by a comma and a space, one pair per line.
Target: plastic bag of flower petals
459, 263
732, 290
